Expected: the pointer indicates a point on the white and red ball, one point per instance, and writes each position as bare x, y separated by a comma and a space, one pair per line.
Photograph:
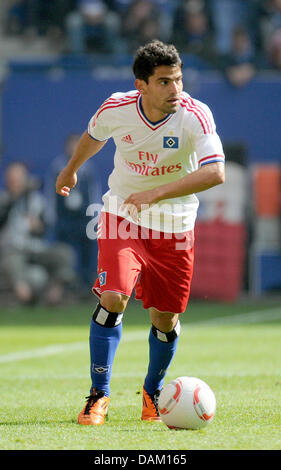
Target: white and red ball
187, 403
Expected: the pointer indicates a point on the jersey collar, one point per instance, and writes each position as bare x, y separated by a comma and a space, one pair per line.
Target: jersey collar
150, 124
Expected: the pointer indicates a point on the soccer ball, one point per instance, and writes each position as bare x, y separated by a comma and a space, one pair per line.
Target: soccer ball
187, 403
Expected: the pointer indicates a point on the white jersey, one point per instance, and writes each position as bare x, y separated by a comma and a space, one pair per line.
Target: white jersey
149, 154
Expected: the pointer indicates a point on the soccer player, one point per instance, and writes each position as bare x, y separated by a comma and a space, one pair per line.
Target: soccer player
167, 149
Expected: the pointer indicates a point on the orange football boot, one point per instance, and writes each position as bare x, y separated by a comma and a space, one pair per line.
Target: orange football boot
95, 411
150, 406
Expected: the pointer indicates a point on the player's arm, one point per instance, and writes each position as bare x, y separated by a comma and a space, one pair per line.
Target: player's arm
86, 148
204, 178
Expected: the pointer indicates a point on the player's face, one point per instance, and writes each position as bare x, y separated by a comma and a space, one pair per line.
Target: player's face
161, 95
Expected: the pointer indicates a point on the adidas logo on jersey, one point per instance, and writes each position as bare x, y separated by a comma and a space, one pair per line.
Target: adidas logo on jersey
127, 139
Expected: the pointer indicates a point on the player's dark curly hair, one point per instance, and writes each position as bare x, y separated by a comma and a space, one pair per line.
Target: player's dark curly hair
152, 55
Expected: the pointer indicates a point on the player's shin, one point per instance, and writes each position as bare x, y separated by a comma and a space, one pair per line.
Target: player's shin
162, 348
105, 335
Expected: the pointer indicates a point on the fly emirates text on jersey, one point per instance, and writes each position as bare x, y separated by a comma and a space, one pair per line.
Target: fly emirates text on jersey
143, 168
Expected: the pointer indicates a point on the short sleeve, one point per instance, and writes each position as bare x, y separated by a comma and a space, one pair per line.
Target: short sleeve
100, 124
207, 143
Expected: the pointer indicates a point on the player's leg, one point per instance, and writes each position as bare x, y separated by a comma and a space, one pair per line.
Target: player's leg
105, 336
163, 321
163, 341
118, 270
164, 288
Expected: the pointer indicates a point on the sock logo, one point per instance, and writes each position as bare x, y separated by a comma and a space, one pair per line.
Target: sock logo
101, 369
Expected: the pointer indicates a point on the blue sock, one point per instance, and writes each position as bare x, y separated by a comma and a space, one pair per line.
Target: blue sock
105, 335
162, 348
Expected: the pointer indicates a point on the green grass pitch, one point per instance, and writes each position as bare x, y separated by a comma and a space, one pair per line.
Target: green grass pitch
44, 374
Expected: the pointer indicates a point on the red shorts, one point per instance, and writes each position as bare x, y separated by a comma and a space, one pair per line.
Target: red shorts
158, 265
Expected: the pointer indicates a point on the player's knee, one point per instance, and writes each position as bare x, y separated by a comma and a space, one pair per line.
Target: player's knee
163, 321
114, 302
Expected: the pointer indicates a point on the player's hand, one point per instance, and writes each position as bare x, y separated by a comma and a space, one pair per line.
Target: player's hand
143, 199
65, 182
137, 202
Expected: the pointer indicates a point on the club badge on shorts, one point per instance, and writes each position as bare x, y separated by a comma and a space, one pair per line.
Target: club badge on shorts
102, 278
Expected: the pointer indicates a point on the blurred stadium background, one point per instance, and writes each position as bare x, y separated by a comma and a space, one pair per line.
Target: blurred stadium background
60, 59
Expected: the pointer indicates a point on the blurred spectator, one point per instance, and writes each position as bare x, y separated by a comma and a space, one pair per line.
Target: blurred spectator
166, 10
142, 22
120, 6
92, 27
274, 50
192, 31
227, 15
32, 268
16, 17
149, 29
270, 21
67, 215
239, 64
37, 15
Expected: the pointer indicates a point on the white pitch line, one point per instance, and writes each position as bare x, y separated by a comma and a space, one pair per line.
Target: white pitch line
41, 352
128, 336
251, 317
61, 348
